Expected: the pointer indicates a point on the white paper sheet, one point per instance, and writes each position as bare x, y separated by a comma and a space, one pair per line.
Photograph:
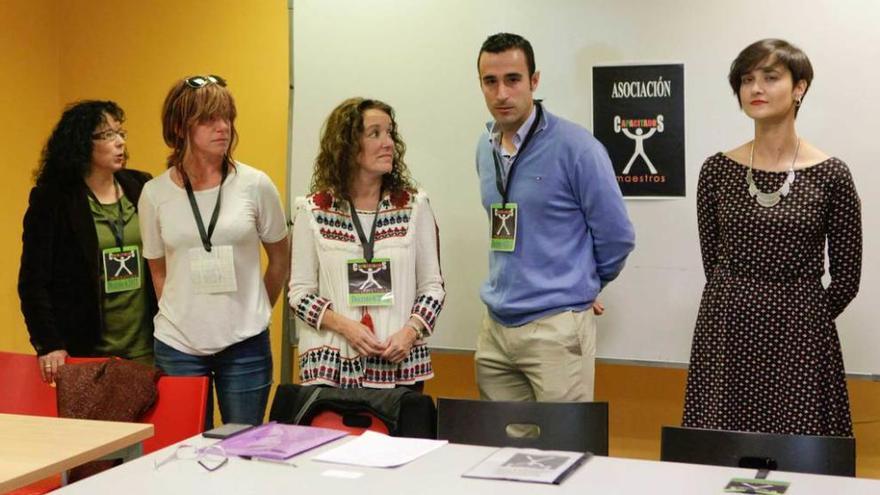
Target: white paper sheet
377, 450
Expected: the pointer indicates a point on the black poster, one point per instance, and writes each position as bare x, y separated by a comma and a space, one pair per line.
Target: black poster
638, 114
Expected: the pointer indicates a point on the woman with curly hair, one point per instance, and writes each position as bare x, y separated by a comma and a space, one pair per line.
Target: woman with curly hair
83, 285
366, 275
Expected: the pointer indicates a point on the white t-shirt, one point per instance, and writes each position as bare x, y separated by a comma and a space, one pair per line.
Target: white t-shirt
250, 213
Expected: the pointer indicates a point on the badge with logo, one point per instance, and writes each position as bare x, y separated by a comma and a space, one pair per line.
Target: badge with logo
369, 284
122, 269
503, 227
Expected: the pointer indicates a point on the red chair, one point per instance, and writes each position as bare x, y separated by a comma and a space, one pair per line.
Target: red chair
179, 411
26, 393
23, 389
353, 423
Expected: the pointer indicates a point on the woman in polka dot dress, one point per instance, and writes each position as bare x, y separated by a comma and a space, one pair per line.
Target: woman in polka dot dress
765, 355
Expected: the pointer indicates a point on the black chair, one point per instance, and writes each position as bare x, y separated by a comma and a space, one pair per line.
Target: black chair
572, 426
797, 453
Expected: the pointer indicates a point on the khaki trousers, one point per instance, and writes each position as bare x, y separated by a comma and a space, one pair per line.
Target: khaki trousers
551, 359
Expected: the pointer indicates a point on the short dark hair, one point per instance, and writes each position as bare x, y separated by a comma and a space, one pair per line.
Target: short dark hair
67, 156
786, 54
502, 42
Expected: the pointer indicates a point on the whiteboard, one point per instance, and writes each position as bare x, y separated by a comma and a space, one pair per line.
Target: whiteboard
420, 56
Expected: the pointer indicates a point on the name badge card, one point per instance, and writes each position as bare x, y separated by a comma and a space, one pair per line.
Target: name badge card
503, 227
757, 487
212, 272
122, 269
369, 284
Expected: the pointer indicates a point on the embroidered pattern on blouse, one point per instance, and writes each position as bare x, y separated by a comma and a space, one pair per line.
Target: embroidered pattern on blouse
336, 225
324, 365
310, 307
427, 307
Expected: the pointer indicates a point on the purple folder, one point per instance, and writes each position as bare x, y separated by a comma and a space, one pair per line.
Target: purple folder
278, 441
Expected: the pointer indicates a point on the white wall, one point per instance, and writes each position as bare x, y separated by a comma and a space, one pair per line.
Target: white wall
420, 56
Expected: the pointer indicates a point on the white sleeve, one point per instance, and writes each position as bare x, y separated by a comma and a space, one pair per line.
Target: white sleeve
148, 220
430, 292
271, 222
303, 289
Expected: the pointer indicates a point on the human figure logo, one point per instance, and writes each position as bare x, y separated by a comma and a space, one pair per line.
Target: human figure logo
638, 135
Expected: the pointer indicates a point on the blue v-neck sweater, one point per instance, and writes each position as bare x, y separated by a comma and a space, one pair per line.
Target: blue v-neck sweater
573, 232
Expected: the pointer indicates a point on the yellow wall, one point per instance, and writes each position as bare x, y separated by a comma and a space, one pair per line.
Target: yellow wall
131, 51
54, 52
29, 98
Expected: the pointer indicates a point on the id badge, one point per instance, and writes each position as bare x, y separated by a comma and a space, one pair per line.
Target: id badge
503, 227
369, 284
212, 272
122, 269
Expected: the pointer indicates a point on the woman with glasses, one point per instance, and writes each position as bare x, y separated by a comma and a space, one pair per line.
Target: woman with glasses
204, 221
83, 285
366, 270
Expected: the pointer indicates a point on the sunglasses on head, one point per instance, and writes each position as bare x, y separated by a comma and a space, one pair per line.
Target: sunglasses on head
199, 81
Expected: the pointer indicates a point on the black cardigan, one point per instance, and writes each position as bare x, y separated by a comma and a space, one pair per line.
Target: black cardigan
59, 281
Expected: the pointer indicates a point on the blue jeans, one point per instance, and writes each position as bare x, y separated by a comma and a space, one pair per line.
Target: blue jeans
242, 374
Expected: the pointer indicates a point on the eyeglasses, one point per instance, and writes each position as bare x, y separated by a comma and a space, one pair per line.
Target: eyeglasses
212, 457
110, 134
199, 81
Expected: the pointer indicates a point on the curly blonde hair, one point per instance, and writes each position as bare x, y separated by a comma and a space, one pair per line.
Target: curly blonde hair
340, 146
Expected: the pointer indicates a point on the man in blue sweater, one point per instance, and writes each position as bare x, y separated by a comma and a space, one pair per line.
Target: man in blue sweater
559, 229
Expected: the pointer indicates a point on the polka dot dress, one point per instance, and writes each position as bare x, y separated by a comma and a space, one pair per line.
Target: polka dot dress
765, 355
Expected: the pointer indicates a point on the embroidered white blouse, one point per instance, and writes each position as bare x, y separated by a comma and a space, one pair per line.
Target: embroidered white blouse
324, 239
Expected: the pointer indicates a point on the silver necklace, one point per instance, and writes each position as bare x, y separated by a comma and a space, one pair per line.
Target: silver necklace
772, 198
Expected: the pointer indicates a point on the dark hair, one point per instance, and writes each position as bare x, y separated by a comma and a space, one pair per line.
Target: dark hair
502, 42
341, 144
67, 157
783, 52
186, 106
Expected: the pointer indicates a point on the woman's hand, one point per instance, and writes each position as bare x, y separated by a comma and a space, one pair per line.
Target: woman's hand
399, 344
598, 308
49, 364
362, 339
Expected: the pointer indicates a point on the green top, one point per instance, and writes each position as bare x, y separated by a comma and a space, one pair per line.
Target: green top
129, 326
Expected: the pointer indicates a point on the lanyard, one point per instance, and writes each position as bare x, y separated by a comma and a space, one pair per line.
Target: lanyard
366, 243
504, 189
117, 225
206, 236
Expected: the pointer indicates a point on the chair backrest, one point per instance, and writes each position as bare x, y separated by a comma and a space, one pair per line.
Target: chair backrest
399, 412
797, 453
23, 390
179, 411
572, 426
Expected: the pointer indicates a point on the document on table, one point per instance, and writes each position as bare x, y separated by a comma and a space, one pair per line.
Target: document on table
373, 449
536, 466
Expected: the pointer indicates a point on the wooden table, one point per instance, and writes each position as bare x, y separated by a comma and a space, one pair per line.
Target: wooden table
36, 447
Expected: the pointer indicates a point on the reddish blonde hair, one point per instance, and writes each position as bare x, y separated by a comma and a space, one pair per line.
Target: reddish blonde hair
186, 106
